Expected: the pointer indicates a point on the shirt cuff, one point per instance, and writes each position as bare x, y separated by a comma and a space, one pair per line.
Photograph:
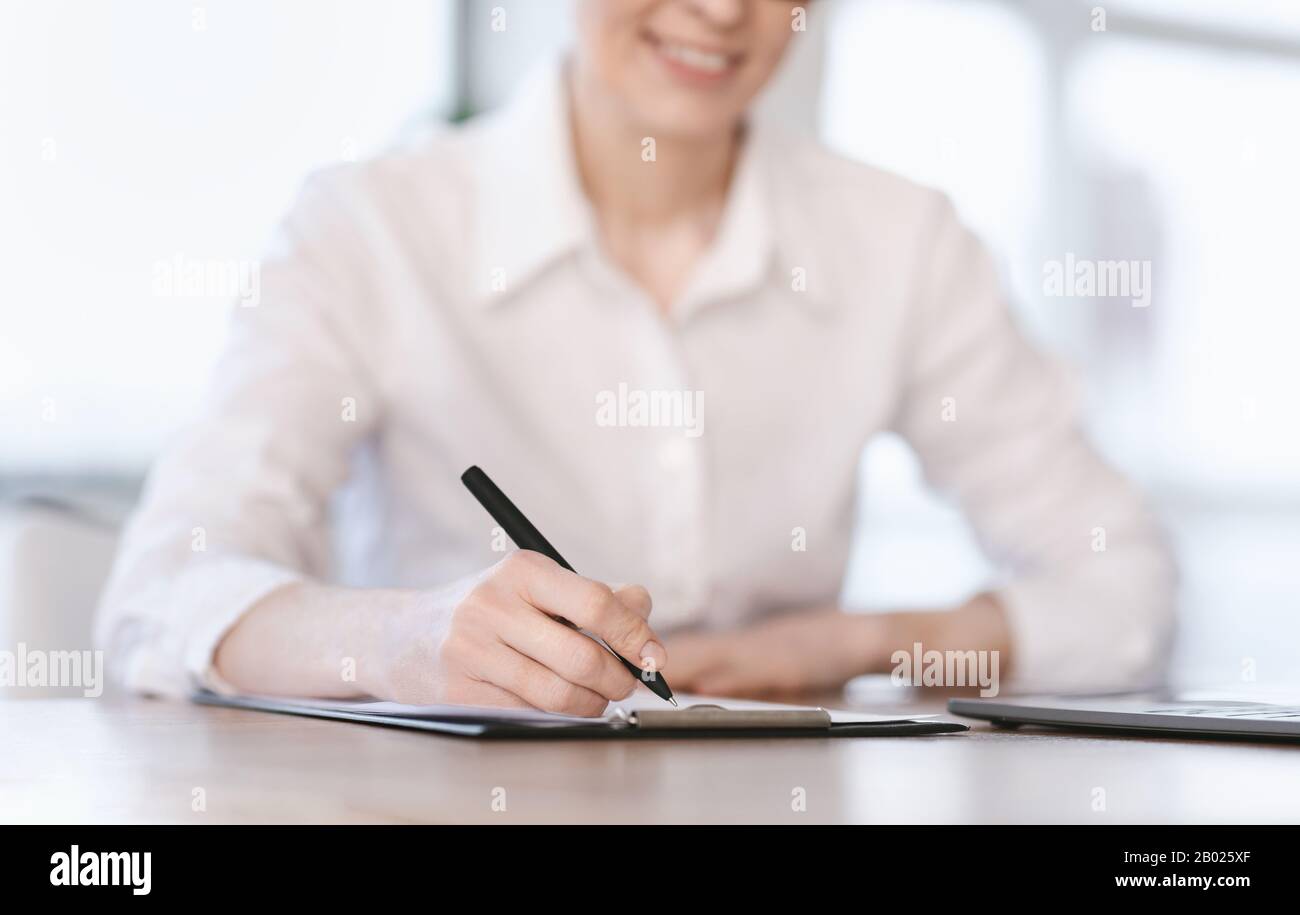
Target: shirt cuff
1068, 638
226, 590
173, 653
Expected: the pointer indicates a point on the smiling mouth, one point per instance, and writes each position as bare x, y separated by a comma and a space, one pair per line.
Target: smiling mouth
693, 61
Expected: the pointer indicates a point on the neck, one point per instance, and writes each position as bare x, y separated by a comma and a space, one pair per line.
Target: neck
688, 175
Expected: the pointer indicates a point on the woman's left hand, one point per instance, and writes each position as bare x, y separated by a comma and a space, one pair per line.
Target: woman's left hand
805, 652
821, 650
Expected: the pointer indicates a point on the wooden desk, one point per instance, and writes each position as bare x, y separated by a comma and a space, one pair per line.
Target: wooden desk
81, 760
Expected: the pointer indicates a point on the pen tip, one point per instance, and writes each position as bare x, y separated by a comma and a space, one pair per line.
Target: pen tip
673, 701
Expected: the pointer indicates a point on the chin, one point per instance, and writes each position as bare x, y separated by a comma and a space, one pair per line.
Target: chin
685, 120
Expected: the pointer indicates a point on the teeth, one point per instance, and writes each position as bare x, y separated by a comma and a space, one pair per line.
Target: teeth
693, 57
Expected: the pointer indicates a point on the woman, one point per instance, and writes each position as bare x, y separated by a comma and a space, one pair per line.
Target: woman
514, 293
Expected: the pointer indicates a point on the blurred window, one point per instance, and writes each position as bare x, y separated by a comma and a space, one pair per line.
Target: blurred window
1217, 137
1168, 135
142, 137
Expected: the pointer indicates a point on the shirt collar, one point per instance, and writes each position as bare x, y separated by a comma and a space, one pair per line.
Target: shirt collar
532, 210
740, 259
768, 234
531, 207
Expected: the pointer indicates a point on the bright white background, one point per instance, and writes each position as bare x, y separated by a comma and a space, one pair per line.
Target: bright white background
134, 132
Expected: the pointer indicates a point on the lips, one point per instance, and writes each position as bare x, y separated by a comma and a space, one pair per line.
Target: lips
694, 62
706, 61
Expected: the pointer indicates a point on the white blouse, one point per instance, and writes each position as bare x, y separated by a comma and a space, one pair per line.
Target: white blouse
449, 304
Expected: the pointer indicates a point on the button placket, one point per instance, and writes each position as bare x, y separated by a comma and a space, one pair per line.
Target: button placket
677, 501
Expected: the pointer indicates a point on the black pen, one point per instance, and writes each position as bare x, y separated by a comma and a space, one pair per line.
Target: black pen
526, 537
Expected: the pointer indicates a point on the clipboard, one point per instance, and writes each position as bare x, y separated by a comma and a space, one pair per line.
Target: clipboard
634, 721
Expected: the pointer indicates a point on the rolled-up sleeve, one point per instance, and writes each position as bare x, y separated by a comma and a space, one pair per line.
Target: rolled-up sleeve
238, 507
1089, 588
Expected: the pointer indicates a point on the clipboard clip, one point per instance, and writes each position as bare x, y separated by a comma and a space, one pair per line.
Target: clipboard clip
714, 717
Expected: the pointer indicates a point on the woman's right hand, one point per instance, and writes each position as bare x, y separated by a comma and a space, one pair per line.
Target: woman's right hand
492, 640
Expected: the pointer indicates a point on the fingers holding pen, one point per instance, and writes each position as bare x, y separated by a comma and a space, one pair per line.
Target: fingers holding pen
593, 606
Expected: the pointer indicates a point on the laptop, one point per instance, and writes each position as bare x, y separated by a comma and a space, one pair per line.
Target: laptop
1168, 715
